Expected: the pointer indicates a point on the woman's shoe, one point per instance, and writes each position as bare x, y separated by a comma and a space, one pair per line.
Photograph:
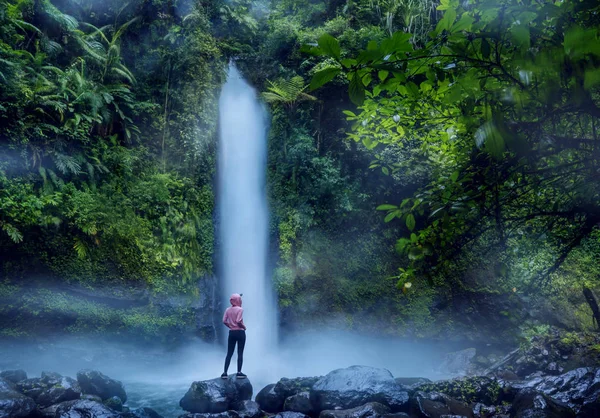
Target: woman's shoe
240, 375
224, 376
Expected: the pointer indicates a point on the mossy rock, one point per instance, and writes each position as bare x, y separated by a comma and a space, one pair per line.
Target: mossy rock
466, 389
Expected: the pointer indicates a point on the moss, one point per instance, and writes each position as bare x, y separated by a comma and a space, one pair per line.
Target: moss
468, 389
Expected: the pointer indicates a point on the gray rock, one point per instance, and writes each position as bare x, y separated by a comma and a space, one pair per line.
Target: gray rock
83, 408
114, 403
299, 402
95, 383
226, 414
290, 414
14, 376
216, 395
368, 410
356, 386
247, 409
272, 397
436, 405
59, 389
32, 387
269, 400
141, 413
530, 403
12, 403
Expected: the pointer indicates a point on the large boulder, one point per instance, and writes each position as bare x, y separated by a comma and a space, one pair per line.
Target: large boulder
57, 389
368, 410
356, 386
12, 403
579, 388
530, 403
272, 397
14, 376
82, 408
95, 383
436, 405
299, 402
216, 395
269, 400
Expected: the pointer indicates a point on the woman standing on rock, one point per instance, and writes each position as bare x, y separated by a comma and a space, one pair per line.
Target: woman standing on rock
233, 319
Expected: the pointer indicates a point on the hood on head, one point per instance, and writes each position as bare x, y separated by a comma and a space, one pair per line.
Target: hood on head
235, 300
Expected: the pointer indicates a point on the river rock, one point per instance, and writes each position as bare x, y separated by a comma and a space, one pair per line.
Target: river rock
530, 403
12, 403
82, 408
466, 389
356, 386
368, 410
269, 400
290, 414
247, 409
31, 387
410, 384
141, 413
272, 397
58, 389
114, 403
226, 414
299, 402
436, 405
14, 376
216, 395
95, 383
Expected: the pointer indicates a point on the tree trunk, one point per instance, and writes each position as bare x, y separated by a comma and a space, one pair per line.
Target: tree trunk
593, 302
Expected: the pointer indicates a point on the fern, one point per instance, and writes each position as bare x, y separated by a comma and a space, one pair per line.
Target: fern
14, 234
287, 92
81, 248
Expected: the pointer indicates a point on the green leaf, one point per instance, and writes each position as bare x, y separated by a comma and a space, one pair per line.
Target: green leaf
323, 76
464, 23
521, 36
410, 222
446, 22
330, 46
385, 171
356, 90
389, 217
454, 176
382, 75
591, 78
311, 50
386, 207
415, 253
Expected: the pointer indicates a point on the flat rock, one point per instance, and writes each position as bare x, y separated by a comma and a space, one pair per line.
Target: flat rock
356, 386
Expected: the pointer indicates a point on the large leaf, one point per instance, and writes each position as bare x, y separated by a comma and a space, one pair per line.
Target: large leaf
330, 46
356, 90
323, 76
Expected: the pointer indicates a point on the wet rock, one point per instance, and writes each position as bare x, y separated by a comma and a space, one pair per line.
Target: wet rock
14, 376
369, 410
458, 362
356, 386
272, 397
530, 403
466, 389
269, 400
51, 378
114, 403
141, 413
32, 387
12, 403
83, 408
290, 414
436, 405
226, 414
248, 409
95, 383
411, 383
299, 402
89, 397
58, 389
216, 395
397, 415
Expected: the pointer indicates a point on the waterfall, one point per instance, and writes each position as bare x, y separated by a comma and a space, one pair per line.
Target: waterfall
243, 214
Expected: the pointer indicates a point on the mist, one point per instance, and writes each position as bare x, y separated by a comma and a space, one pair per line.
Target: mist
158, 377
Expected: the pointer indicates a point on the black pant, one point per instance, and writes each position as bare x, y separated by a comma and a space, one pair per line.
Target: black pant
239, 337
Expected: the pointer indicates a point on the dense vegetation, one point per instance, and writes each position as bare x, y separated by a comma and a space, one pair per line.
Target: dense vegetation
471, 127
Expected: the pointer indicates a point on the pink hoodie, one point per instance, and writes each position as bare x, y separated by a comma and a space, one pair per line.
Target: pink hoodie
233, 317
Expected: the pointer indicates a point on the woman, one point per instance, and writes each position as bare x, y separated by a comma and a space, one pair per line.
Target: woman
233, 319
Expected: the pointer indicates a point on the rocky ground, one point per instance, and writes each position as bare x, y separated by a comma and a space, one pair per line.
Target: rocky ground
550, 377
